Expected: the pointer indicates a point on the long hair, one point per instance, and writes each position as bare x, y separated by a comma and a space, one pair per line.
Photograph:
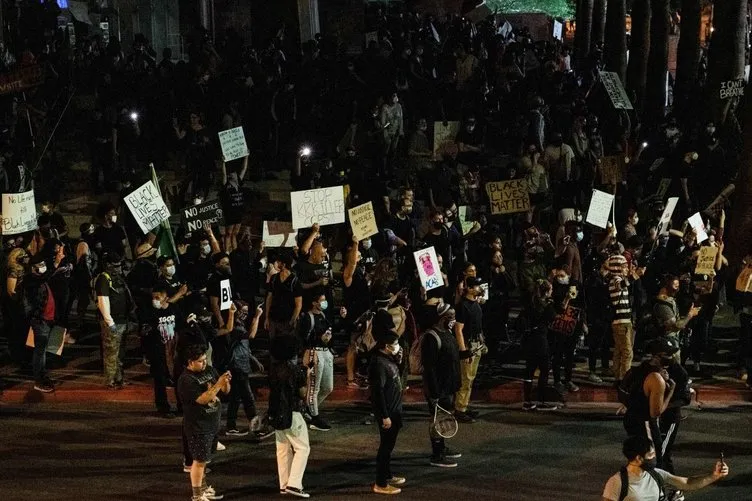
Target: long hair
13, 258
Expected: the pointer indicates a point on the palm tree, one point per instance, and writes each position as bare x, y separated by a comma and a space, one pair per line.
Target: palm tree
688, 57
655, 95
615, 47
583, 32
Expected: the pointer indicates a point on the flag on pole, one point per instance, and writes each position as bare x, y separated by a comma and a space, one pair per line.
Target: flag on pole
165, 242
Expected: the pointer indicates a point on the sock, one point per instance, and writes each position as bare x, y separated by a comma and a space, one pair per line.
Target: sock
197, 491
203, 483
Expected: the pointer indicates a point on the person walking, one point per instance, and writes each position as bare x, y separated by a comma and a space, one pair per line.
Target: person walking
39, 306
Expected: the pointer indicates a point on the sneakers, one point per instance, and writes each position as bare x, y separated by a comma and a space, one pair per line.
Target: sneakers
463, 417
265, 433
389, 489
545, 406
297, 492
202, 497
221, 447
397, 481
187, 469
443, 462
356, 385
472, 413
210, 493
572, 387
234, 433
528, 406
44, 387
451, 454
318, 423
594, 378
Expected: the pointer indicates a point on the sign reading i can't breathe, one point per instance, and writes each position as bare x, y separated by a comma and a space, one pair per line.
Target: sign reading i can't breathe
202, 215
147, 207
19, 213
508, 196
732, 88
321, 206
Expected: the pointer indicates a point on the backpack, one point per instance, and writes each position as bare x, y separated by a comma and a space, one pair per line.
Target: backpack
625, 483
416, 353
306, 336
631, 384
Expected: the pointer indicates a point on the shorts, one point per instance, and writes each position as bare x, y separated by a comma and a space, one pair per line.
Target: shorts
200, 447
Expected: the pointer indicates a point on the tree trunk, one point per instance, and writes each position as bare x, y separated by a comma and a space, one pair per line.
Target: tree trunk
615, 49
726, 54
688, 58
584, 28
599, 22
638, 52
740, 233
655, 93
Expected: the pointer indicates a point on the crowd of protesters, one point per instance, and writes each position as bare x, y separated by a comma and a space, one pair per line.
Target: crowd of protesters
366, 123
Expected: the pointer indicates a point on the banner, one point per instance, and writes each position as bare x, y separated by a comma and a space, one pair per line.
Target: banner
611, 169
444, 138
225, 294
202, 215
19, 213
323, 206
278, 234
706, 261
600, 209
233, 144
428, 268
698, 225
508, 197
668, 213
21, 79
363, 221
615, 90
147, 207
732, 88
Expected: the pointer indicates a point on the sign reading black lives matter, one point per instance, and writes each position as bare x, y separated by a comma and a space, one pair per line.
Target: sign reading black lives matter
147, 207
615, 90
202, 215
732, 88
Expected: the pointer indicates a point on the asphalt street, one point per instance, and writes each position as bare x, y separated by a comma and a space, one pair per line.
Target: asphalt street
124, 452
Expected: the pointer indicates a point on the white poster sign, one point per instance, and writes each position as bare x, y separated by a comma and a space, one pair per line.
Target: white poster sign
558, 30
225, 294
233, 144
600, 209
428, 268
615, 90
19, 213
698, 225
278, 234
323, 206
147, 207
668, 213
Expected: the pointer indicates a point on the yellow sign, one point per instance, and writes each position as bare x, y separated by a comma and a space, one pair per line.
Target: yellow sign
363, 221
706, 261
508, 196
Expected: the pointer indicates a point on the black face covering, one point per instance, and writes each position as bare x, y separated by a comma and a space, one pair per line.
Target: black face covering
666, 361
437, 225
649, 464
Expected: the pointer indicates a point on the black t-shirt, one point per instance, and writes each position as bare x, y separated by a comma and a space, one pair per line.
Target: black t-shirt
283, 297
163, 323
470, 315
115, 289
308, 274
232, 200
199, 419
311, 334
111, 238
403, 228
441, 245
358, 296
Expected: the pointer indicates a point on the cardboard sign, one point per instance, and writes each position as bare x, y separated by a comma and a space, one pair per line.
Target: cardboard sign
600, 209
323, 206
558, 30
668, 213
55, 341
508, 197
465, 221
698, 225
428, 268
21, 79
147, 207
278, 234
505, 29
225, 294
663, 188
615, 90
444, 138
363, 221
202, 215
372, 36
566, 322
19, 213
706, 261
732, 88
233, 144
611, 169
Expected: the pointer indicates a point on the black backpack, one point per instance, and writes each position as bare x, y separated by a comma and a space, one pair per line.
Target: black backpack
625, 483
632, 383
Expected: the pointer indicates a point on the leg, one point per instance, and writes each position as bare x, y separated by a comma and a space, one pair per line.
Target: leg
159, 374
234, 404
326, 381
468, 371
384, 455
544, 366
618, 333
121, 347
246, 395
669, 429
41, 332
314, 382
350, 360
298, 438
284, 457
627, 350
558, 355
110, 346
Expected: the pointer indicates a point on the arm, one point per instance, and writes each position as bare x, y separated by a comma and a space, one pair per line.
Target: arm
216, 249
298, 309
349, 271
127, 246
458, 328
660, 394
306, 247
103, 304
243, 169
10, 285
377, 381
214, 304
223, 385
224, 171
230, 325
267, 322
255, 323
699, 481
429, 357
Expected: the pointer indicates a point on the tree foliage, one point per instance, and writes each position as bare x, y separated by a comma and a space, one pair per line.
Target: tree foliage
554, 8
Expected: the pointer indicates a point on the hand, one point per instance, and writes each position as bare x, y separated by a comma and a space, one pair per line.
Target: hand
182, 248
315, 228
293, 323
183, 290
665, 376
694, 311
721, 470
476, 226
233, 308
343, 312
259, 311
224, 379
386, 423
262, 246
469, 360
355, 239
267, 324
324, 281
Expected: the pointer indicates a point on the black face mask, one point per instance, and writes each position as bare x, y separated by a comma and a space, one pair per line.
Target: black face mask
437, 225
649, 464
115, 270
666, 361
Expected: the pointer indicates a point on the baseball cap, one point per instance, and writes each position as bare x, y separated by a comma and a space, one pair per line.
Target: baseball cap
662, 345
474, 281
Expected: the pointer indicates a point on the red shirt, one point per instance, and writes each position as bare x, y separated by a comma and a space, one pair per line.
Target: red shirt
48, 313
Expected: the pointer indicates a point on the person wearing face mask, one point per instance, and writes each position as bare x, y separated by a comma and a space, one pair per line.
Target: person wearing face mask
196, 262
40, 307
570, 257
468, 332
52, 218
419, 149
141, 279
470, 143
641, 480
357, 299
111, 234
246, 260
114, 304
85, 260
222, 271
161, 320
541, 312
666, 312
558, 158
16, 327
176, 289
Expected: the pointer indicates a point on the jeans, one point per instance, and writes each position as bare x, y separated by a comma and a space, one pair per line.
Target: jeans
160, 372
623, 342
41, 330
240, 391
320, 379
386, 446
468, 371
537, 357
293, 449
113, 352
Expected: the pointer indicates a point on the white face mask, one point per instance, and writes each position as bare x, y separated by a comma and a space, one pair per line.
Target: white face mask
156, 303
170, 270
113, 219
393, 348
205, 249
42, 270
635, 221
366, 244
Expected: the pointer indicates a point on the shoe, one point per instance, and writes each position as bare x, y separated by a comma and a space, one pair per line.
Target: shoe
114, 386
202, 497
44, 387
265, 433
167, 414
297, 492
463, 417
397, 481
318, 423
355, 385
451, 454
187, 469
529, 406
472, 413
594, 378
389, 489
211, 494
572, 387
560, 388
221, 447
545, 406
443, 462
283, 491
234, 433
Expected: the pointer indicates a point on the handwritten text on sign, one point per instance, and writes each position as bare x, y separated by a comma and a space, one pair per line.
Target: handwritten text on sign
147, 207
706, 261
732, 88
363, 221
323, 206
19, 213
600, 209
233, 144
278, 234
508, 196
615, 90
428, 268
566, 322
202, 215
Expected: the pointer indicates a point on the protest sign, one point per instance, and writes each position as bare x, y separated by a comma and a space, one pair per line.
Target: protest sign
428, 268
147, 206
55, 340
732, 88
698, 225
600, 209
615, 90
663, 188
566, 322
202, 215
558, 30
233, 144
444, 138
668, 213
323, 206
508, 196
465, 221
278, 234
225, 294
21, 79
19, 213
706, 261
372, 36
363, 221
611, 169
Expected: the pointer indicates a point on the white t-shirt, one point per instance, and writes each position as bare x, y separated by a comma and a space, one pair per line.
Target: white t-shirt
642, 488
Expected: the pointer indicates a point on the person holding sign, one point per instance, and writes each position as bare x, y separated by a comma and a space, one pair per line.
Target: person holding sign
233, 203
708, 287
222, 271
110, 234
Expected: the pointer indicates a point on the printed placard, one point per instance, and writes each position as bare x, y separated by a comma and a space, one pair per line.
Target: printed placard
323, 206
615, 90
465, 221
225, 294
611, 169
698, 225
508, 197
428, 268
202, 215
363, 221
233, 144
668, 213
663, 187
600, 209
278, 234
444, 138
19, 213
706, 261
558, 30
147, 207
